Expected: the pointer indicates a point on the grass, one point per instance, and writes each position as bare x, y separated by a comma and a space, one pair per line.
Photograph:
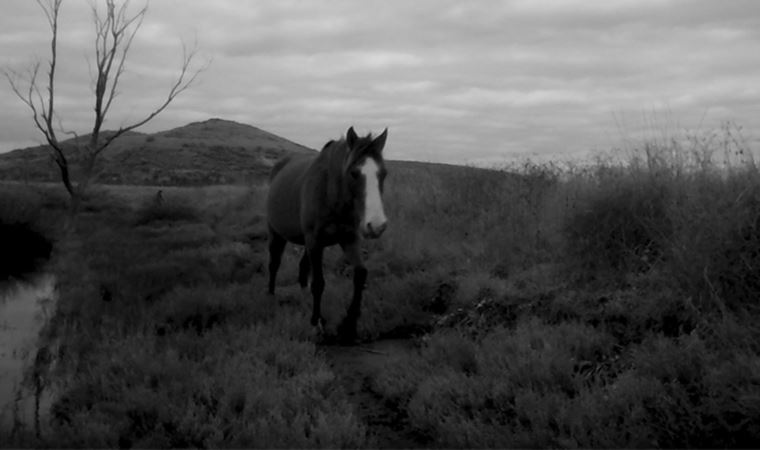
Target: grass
163, 337
612, 305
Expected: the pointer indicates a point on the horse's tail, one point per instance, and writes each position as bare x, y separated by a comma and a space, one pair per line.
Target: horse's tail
278, 166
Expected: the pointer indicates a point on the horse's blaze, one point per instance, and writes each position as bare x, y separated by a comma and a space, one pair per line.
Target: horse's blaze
374, 220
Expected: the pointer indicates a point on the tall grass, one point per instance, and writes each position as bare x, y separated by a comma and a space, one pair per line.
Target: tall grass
678, 207
640, 330
490, 219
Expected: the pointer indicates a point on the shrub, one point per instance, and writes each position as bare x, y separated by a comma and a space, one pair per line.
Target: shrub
674, 209
715, 251
703, 399
245, 389
512, 388
621, 221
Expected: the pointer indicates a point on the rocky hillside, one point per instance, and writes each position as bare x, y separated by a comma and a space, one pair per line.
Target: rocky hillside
215, 151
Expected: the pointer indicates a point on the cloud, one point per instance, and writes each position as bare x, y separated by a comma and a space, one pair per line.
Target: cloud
478, 97
455, 81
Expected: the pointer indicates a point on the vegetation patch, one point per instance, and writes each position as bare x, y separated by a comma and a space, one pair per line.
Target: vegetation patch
595, 307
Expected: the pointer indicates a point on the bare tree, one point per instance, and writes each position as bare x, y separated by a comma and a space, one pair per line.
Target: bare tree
115, 30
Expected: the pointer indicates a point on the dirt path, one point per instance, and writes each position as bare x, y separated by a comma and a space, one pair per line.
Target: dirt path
354, 366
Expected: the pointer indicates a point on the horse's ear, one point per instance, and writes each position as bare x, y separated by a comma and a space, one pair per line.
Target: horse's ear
379, 142
351, 137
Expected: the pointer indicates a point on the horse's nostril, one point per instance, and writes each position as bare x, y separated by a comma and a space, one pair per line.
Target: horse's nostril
375, 231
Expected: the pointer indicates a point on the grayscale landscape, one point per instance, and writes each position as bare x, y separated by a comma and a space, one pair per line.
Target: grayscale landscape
584, 293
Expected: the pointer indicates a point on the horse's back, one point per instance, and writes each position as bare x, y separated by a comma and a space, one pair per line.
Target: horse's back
284, 198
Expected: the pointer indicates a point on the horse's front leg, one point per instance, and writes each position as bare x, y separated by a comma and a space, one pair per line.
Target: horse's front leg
314, 252
347, 329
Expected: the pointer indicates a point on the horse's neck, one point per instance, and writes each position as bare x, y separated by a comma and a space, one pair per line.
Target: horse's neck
337, 199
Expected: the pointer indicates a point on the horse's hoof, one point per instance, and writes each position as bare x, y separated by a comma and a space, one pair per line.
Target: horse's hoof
347, 334
319, 332
321, 327
318, 323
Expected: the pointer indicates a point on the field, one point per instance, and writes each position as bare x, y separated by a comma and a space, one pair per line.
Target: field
609, 305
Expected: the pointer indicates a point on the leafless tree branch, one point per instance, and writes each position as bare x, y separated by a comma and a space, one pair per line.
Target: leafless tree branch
183, 81
43, 109
115, 30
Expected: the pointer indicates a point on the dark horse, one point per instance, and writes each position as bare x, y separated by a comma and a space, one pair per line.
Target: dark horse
319, 201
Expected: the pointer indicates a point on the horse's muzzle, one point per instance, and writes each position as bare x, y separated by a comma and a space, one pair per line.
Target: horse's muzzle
374, 232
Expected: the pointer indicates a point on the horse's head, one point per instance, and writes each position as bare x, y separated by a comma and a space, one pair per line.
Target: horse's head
365, 174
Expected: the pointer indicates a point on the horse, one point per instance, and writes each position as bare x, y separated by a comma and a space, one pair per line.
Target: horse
317, 201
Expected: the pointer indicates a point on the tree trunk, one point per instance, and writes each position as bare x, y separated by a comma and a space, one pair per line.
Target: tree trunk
64, 168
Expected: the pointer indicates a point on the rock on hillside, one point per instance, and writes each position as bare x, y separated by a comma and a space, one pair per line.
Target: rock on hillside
215, 151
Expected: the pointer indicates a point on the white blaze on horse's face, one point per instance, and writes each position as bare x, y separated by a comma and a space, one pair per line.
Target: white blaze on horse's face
374, 221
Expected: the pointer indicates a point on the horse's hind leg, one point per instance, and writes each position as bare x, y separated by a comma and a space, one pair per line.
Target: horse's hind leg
303, 270
276, 247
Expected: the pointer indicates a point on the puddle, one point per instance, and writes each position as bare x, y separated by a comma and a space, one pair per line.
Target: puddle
25, 306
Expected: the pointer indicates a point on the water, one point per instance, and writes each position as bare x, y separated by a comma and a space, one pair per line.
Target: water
25, 306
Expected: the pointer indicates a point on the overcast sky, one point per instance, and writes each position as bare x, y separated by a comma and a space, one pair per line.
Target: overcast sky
454, 81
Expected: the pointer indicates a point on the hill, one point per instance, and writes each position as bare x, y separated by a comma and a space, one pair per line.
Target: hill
214, 151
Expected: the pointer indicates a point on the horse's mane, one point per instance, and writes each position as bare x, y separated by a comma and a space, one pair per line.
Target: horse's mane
278, 166
333, 155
